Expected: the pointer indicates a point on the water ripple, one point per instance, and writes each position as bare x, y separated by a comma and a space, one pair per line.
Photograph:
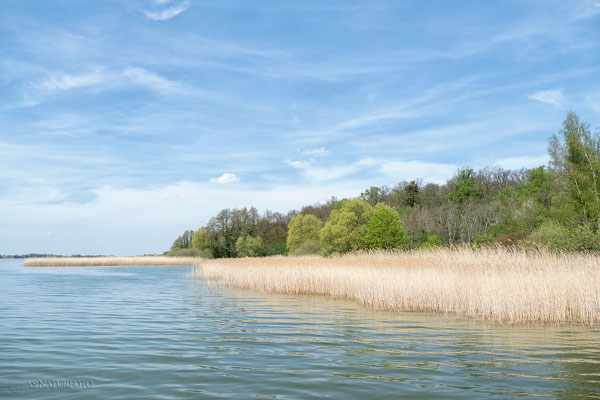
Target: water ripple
152, 332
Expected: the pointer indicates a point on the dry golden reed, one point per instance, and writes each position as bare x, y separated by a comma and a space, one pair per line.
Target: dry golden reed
506, 286
107, 261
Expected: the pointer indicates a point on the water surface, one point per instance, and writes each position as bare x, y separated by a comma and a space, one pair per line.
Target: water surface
154, 332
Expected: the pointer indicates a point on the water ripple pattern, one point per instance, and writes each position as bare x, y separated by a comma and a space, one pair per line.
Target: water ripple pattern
156, 333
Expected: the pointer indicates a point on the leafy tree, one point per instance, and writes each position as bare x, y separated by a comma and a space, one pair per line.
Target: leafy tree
272, 228
374, 195
302, 228
249, 246
202, 239
385, 230
411, 194
465, 187
184, 241
575, 157
346, 227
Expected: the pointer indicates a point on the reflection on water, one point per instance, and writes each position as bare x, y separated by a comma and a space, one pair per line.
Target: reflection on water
147, 331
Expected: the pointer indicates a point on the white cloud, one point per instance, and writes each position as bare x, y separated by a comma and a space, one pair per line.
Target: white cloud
523, 162
169, 12
553, 97
137, 221
99, 79
57, 82
151, 80
316, 173
321, 151
300, 164
428, 171
225, 178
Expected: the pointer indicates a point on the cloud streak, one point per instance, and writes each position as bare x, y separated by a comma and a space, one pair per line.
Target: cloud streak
555, 97
225, 179
167, 13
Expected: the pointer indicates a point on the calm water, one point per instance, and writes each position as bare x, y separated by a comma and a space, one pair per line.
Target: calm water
153, 332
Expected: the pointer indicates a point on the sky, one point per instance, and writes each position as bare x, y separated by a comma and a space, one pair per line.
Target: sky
124, 123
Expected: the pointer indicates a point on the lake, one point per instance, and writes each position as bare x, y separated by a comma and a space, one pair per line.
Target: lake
154, 332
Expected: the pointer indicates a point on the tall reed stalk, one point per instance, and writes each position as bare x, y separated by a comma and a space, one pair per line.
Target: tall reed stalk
507, 286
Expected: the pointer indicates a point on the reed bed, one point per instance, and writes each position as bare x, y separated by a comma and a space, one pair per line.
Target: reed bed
506, 286
107, 261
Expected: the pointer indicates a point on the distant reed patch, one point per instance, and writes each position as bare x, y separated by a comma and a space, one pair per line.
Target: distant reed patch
108, 261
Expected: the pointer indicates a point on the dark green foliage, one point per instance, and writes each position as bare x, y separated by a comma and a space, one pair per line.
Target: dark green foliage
272, 228
465, 187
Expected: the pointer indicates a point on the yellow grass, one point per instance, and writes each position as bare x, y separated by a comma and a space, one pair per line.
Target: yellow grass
107, 261
501, 285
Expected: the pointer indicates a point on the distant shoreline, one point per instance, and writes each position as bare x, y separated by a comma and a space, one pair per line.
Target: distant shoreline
109, 261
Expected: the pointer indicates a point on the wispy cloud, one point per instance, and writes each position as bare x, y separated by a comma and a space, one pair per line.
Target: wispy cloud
321, 151
409, 170
225, 179
554, 97
523, 162
143, 77
100, 79
57, 82
313, 172
167, 13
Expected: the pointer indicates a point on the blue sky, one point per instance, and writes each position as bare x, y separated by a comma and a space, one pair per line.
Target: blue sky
122, 123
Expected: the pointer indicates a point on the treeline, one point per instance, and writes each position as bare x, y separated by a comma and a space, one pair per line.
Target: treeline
555, 206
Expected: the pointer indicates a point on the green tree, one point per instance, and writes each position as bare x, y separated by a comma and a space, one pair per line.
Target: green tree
302, 228
248, 246
374, 195
272, 228
575, 157
346, 227
385, 230
465, 187
411, 194
202, 239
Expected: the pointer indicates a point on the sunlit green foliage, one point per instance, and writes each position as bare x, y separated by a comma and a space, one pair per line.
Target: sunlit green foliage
385, 230
302, 228
248, 246
346, 227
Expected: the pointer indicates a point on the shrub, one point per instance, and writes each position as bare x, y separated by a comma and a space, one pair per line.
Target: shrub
307, 248
191, 252
557, 237
432, 241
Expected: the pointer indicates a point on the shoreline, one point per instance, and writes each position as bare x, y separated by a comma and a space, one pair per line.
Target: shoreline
110, 261
502, 286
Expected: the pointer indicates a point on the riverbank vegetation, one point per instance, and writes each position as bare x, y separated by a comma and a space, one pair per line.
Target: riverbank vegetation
503, 285
555, 206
